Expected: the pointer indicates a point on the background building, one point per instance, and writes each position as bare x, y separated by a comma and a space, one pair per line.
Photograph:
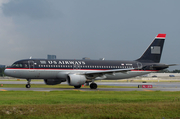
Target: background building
2, 66
51, 56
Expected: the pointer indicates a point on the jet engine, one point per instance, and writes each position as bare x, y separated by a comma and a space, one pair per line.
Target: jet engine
53, 81
76, 80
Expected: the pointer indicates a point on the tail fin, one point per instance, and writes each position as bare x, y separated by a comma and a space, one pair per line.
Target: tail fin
154, 51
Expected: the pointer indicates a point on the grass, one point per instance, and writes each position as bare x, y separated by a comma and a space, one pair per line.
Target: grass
86, 97
91, 111
89, 104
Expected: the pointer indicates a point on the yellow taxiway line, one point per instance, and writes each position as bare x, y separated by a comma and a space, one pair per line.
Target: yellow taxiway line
2, 90
147, 90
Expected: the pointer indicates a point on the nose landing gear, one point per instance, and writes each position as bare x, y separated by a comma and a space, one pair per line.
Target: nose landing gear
28, 85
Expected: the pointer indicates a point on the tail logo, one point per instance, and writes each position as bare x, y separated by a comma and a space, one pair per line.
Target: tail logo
155, 50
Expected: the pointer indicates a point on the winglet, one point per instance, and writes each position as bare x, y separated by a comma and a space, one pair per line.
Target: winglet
161, 36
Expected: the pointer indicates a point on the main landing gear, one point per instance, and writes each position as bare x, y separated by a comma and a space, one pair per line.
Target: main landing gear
28, 85
93, 85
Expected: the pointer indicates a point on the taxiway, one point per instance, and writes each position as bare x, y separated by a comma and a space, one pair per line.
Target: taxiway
160, 86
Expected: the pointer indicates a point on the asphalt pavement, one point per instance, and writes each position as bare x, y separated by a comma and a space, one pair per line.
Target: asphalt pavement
158, 86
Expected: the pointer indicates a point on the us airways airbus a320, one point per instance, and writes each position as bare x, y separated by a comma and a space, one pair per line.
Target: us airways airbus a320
79, 72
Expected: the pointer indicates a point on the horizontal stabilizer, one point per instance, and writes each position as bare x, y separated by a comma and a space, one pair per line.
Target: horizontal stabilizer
165, 65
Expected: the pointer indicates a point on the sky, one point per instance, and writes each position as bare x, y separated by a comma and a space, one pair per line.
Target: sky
73, 29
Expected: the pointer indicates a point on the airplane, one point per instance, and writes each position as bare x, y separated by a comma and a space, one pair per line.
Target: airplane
79, 72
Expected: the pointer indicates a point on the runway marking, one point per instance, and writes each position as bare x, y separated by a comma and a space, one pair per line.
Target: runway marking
78, 90
2, 90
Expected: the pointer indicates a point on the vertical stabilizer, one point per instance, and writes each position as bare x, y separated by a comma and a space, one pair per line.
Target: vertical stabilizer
154, 51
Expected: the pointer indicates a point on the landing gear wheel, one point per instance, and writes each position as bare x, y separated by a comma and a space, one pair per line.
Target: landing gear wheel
77, 87
93, 85
28, 85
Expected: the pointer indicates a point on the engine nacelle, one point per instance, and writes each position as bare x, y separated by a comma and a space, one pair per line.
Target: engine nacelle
76, 80
53, 81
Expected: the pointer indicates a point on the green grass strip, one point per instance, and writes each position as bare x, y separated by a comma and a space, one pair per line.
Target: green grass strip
89, 104
85, 97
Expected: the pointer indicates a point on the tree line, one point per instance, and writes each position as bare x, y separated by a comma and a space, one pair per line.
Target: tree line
2, 71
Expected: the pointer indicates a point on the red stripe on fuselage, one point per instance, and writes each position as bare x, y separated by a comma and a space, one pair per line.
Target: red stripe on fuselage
53, 69
76, 69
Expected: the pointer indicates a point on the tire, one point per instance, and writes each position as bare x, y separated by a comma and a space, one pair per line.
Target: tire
28, 85
77, 87
93, 85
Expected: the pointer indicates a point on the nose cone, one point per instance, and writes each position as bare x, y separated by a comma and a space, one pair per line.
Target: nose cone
7, 72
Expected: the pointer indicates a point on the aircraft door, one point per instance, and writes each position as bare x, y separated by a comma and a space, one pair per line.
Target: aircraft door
31, 64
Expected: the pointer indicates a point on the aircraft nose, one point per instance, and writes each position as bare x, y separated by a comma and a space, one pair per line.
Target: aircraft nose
7, 72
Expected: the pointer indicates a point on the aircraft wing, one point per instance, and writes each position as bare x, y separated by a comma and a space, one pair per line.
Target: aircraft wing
108, 71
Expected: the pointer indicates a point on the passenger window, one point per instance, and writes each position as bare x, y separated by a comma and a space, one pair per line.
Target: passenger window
25, 66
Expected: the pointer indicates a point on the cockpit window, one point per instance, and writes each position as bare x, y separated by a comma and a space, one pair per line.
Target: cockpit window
17, 65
